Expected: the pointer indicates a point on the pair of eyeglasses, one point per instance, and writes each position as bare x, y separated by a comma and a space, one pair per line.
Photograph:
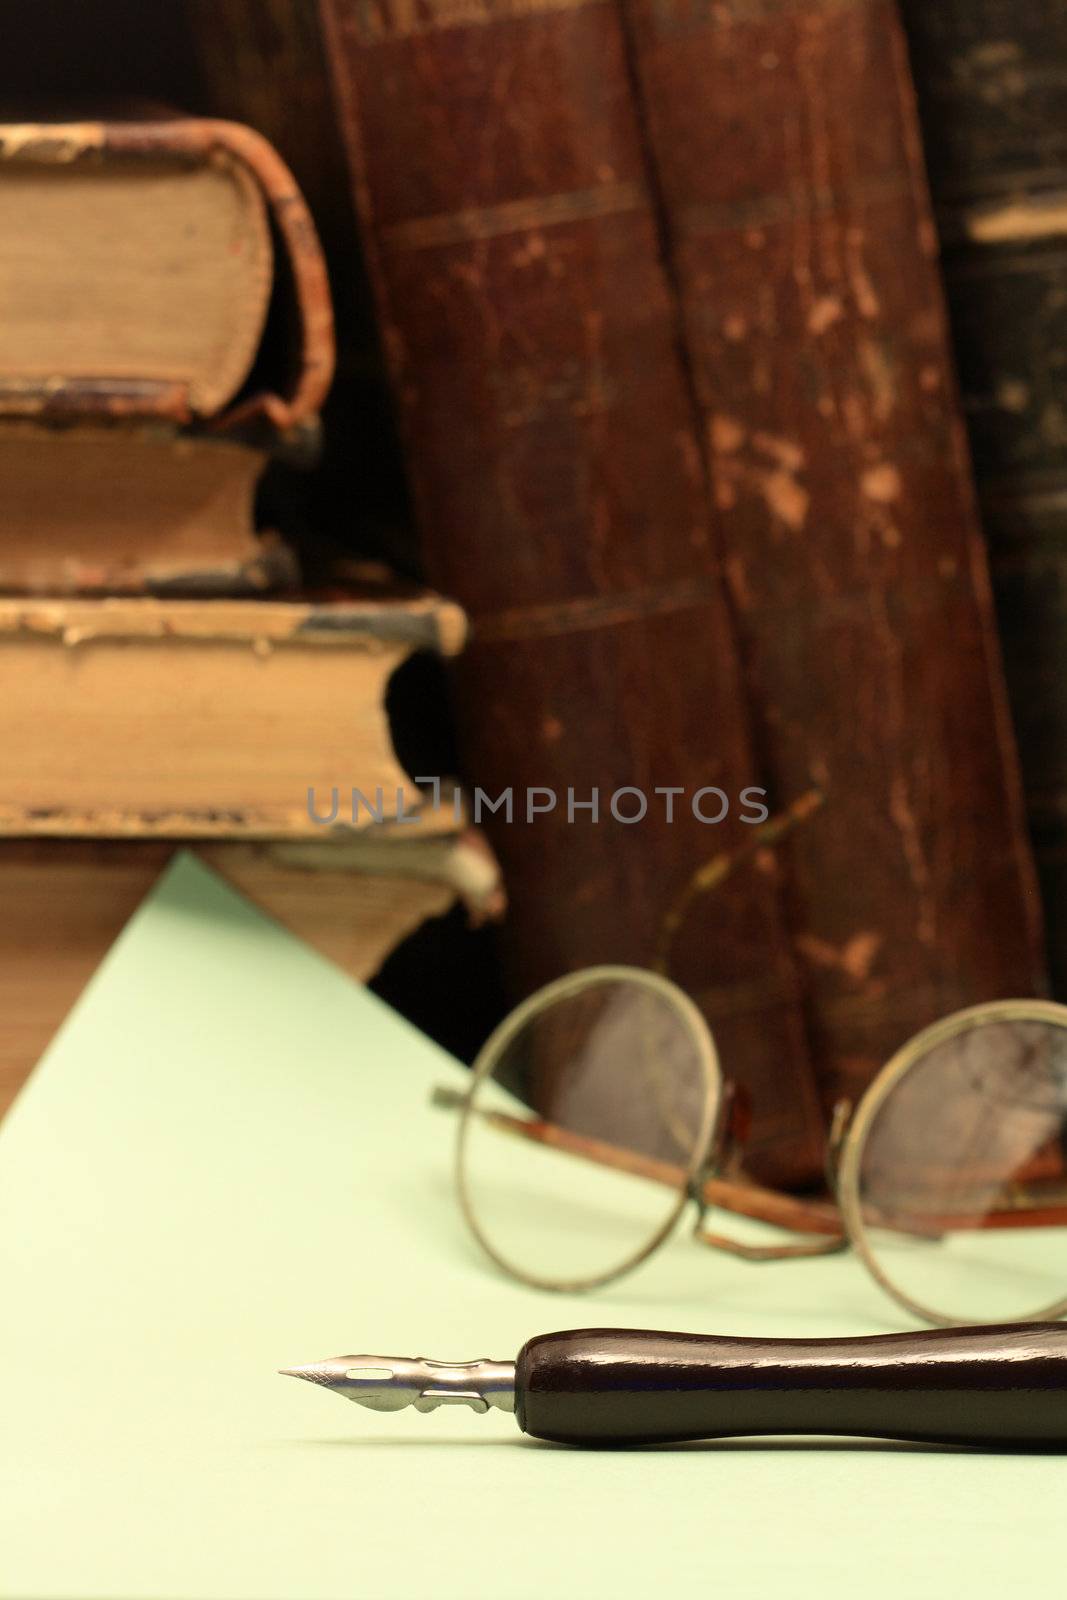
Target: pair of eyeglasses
597, 1113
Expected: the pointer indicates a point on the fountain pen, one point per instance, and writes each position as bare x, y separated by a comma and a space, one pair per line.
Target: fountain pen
1000, 1386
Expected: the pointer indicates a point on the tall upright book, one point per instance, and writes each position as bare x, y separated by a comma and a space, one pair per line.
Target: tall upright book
561, 489
659, 286
786, 146
992, 84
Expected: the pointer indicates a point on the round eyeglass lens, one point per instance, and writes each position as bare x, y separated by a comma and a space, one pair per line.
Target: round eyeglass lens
590, 1110
962, 1177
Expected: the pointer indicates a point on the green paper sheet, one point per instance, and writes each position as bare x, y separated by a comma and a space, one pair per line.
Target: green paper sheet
227, 1164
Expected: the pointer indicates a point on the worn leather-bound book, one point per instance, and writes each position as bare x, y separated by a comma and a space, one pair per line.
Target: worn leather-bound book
158, 266
67, 900
233, 719
167, 327
502, 183
992, 82
786, 145
130, 509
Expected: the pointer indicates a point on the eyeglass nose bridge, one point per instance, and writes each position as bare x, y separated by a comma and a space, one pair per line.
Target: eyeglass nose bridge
730, 1132
727, 1139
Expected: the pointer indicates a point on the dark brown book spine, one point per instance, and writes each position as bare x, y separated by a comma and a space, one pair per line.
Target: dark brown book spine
784, 140
992, 82
500, 176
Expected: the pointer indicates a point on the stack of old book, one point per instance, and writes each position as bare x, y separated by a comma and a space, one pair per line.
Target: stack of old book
167, 329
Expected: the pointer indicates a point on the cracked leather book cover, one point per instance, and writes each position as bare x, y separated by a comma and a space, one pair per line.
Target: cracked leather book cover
658, 288
786, 143
992, 82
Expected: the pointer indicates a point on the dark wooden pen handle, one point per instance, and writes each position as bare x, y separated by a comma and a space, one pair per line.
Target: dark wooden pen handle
997, 1385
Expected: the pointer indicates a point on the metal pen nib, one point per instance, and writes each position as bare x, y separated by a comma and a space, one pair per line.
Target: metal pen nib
389, 1383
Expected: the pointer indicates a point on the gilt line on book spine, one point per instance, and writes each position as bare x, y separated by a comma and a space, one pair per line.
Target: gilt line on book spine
379, 21
766, 210
515, 216
376, 21
596, 611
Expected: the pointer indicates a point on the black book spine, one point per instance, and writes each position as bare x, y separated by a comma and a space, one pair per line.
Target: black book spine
992, 83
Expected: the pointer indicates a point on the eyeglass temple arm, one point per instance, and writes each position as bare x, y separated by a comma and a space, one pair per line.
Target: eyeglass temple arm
743, 1199
753, 1200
